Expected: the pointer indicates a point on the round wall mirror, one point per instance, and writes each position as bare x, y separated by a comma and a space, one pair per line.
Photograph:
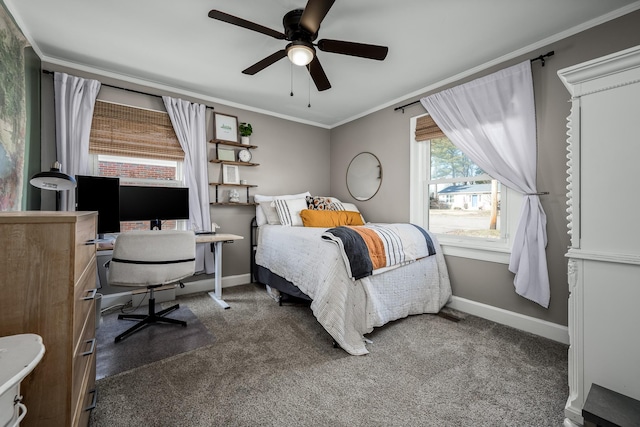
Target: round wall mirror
364, 176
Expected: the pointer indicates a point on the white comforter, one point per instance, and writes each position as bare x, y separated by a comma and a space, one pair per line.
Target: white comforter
349, 309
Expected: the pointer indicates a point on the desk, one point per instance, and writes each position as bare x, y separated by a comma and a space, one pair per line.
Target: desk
217, 240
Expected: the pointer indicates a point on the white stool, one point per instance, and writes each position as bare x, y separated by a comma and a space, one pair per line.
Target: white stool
19, 354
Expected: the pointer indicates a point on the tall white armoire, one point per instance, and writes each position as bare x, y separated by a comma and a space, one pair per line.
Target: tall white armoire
604, 224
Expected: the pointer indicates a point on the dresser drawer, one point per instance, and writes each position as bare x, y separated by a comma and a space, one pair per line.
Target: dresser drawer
89, 396
84, 301
85, 232
83, 363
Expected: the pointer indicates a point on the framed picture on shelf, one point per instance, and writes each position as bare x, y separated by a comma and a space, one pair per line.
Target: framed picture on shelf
230, 174
225, 127
226, 154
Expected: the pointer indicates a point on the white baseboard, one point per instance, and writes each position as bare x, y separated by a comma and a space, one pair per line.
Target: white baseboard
112, 300
573, 415
204, 285
553, 331
570, 423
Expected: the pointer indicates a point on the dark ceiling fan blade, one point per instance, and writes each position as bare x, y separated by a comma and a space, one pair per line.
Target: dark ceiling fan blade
314, 13
318, 75
362, 50
225, 17
261, 65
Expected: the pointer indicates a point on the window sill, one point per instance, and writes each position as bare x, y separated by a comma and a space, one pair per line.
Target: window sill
497, 252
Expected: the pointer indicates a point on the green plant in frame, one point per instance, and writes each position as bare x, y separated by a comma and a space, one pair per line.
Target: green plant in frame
245, 129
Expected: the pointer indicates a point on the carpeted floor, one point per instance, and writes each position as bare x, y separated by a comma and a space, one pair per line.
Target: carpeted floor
148, 345
275, 366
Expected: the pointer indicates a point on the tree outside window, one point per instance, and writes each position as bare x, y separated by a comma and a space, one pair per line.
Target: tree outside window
463, 199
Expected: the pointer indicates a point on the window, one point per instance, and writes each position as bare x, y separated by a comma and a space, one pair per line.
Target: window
463, 200
456, 200
140, 147
137, 170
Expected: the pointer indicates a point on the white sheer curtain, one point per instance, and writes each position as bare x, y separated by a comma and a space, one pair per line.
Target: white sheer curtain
189, 122
492, 120
74, 99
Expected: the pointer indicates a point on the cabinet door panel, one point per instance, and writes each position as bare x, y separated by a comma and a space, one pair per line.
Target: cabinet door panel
610, 150
611, 295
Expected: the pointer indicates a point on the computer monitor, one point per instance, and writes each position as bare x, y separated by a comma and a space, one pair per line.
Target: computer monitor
102, 194
154, 204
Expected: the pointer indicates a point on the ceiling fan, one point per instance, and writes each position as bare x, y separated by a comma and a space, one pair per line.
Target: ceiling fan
301, 30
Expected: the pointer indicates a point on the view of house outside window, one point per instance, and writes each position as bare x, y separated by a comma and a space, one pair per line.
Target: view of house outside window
139, 171
463, 199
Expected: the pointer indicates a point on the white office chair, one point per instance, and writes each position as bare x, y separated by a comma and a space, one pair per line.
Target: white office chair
151, 259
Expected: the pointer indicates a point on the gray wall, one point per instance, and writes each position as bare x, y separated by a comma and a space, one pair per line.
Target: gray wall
31, 194
293, 157
386, 134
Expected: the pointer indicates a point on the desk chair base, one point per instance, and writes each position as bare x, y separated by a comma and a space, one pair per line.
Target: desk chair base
149, 319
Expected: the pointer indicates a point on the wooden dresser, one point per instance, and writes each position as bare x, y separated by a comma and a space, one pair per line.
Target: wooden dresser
47, 287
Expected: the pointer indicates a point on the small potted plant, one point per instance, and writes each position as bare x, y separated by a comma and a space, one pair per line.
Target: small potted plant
245, 132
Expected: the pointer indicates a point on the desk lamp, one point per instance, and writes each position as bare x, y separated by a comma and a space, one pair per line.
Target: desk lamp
54, 180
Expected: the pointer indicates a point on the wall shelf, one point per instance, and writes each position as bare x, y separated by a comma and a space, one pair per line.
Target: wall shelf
231, 185
232, 144
232, 204
229, 162
219, 197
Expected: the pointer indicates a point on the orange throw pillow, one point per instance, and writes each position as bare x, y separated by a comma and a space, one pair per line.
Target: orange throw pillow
315, 218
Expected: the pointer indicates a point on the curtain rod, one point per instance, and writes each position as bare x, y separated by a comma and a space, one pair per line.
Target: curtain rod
124, 88
537, 58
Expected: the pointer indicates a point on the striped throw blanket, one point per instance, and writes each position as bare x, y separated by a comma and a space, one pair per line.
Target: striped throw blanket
371, 247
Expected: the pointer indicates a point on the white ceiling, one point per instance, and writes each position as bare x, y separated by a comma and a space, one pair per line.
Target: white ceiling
174, 43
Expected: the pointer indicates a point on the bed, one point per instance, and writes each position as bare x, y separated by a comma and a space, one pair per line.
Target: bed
302, 262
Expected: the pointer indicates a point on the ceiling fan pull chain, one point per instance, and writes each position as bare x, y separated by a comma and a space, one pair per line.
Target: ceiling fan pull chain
291, 72
309, 74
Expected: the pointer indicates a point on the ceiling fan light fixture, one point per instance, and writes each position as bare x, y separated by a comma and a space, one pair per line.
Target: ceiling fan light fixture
300, 54
301, 30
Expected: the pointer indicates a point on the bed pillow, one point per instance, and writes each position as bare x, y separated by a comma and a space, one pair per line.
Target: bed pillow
270, 213
322, 203
318, 218
289, 211
261, 218
352, 208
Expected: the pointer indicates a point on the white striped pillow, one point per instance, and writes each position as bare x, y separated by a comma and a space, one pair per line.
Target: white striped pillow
289, 211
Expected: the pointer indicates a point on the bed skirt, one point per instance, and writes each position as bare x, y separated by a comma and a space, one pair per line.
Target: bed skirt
266, 277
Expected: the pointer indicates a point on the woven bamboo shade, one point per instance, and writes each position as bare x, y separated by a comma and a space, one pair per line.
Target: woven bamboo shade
427, 129
120, 130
